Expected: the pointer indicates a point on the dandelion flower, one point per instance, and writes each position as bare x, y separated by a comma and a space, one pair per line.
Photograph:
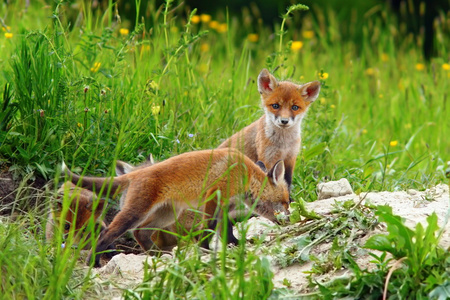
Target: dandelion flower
393, 143
195, 19
214, 25
253, 37
323, 75
8, 35
205, 18
370, 71
222, 28
204, 47
96, 67
446, 67
420, 67
156, 109
296, 46
308, 34
124, 31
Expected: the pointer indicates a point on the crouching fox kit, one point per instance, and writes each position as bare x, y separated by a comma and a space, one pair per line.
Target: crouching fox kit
277, 134
80, 211
157, 194
188, 221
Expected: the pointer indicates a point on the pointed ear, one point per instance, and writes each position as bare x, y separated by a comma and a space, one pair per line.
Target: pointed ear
310, 91
150, 159
123, 168
261, 165
276, 174
266, 82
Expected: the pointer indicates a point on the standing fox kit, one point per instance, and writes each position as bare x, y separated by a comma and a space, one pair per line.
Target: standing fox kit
158, 194
277, 134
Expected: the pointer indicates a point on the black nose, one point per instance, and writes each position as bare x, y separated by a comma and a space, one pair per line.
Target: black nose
284, 122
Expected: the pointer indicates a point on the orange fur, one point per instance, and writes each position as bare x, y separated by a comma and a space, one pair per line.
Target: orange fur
78, 215
157, 194
277, 134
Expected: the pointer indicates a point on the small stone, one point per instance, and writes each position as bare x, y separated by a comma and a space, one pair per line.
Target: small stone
334, 189
411, 192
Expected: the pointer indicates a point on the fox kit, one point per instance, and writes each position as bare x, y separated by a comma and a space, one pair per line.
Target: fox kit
78, 215
277, 134
187, 222
157, 194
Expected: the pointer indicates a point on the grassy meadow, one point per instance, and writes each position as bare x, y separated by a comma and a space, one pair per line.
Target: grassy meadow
86, 87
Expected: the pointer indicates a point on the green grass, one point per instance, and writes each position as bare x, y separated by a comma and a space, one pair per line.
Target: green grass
82, 90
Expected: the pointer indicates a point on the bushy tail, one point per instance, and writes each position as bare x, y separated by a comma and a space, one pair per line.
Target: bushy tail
112, 184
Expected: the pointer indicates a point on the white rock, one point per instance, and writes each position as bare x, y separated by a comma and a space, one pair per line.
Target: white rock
334, 189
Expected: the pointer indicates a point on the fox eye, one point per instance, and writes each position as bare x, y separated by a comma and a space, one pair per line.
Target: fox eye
275, 106
295, 107
67, 226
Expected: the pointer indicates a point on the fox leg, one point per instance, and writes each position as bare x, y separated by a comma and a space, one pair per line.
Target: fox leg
122, 222
163, 217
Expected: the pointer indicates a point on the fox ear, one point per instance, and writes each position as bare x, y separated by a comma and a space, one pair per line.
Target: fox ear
276, 174
261, 165
123, 168
266, 82
310, 91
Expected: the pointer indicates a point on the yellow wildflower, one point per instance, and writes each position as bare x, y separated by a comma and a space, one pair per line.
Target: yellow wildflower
393, 143
214, 24
323, 100
124, 31
156, 109
364, 131
204, 47
6, 29
446, 67
370, 71
8, 35
420, 67
323, 75
308, 34
222, 28
380, 96
333, 106
205, 18
408, 126
384, 57
145, 47
302, 77
195, 19
96, 67
79, 124
296, 46
253, 37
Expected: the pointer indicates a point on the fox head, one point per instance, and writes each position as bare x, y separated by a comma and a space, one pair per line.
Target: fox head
285, 103
274, 198
80, 210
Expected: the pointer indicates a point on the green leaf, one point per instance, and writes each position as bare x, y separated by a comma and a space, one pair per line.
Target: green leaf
379, 242
315, 150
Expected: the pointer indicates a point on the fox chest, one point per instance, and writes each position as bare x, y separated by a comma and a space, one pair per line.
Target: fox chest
280, 146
